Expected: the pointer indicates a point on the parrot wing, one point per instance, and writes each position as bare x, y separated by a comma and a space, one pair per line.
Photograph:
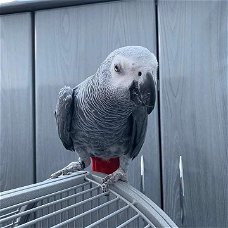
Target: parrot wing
139, 120
63, 115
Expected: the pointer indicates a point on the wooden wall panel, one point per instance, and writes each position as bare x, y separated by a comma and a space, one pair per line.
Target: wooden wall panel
16, 133
193, 38
70, 45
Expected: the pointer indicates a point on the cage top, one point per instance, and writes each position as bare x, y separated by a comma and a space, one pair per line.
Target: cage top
77, 200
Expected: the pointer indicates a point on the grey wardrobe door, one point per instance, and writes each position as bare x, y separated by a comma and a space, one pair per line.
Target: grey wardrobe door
194, 92
16, 124
70, 45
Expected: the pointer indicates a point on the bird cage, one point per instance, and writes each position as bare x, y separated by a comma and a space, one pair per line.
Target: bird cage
77, 200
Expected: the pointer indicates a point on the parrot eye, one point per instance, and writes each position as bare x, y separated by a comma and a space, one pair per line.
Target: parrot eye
117, 68
139, 73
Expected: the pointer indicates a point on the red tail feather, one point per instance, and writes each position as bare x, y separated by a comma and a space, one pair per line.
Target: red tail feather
105, 166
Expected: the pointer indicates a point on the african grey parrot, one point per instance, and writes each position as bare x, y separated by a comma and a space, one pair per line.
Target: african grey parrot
106, 115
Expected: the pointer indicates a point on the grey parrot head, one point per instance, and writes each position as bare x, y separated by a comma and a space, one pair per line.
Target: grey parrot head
132, 69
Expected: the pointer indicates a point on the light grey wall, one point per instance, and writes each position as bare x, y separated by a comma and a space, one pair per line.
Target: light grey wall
70, 45
16, 124
194, 99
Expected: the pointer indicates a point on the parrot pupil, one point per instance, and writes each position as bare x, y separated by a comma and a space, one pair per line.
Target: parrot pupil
116, 68
140, 73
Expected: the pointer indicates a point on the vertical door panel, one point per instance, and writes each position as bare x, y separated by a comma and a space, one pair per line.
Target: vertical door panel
194, 91
16, 133
70, 45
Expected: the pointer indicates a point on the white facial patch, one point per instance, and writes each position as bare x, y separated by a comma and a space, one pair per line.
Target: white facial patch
124, 77
125, 70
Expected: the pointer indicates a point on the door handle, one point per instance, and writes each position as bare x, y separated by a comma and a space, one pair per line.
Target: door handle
181, 189
142, 184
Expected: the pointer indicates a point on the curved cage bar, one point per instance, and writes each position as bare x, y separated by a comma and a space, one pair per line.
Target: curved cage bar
77, 200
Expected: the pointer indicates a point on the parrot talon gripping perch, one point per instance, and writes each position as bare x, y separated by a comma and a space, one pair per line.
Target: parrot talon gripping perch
112, 178
72, 167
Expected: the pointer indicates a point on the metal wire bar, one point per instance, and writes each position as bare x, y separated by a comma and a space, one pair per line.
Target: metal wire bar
147, 226
86, 212
67, 203
83, 207
41, 197
46, 205
9, 214
75, 201
48, 211
117, 217
61, 205
60, 211
108, 216
128, 221
10, 225
98, 203
91, 195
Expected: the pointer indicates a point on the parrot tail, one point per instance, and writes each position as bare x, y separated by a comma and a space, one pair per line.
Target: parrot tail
105, 166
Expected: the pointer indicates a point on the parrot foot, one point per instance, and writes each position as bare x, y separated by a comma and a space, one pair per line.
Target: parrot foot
112, 178
72, 167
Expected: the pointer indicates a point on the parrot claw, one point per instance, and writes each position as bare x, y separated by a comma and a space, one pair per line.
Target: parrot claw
56, 174
112, 178
72, 167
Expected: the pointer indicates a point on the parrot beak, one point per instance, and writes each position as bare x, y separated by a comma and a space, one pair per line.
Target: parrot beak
147, 91
144, 92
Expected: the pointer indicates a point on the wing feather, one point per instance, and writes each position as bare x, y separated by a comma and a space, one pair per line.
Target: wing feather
139, 126
63, 114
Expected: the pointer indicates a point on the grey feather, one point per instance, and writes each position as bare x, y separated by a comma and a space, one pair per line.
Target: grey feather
139, 127
63, 115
